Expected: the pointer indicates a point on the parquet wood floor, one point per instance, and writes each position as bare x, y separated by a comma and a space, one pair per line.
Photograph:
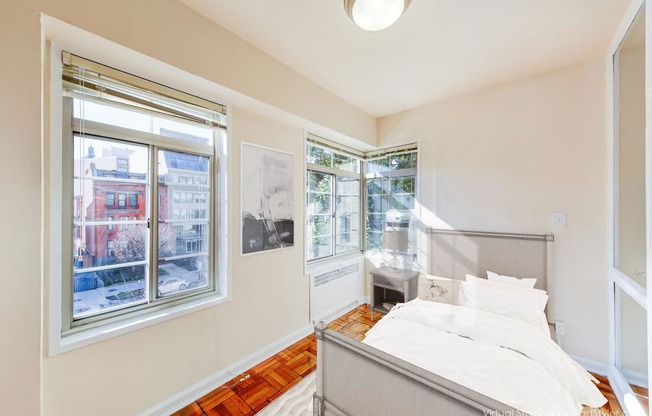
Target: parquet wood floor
274, 376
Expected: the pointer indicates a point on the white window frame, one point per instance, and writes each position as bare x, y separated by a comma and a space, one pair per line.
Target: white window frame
408, 172
77, 42
618, 280
335, 174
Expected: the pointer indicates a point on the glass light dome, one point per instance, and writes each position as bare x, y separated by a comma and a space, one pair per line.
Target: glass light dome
374, 15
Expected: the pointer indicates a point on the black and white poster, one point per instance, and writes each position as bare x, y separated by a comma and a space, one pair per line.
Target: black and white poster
267, 199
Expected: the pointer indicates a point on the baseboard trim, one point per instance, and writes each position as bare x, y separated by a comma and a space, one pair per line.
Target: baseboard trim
591, 365
207, 385
339, 311
635, 378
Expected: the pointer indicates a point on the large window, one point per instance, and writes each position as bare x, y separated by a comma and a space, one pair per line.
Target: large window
390, 182
130, 141
333, 203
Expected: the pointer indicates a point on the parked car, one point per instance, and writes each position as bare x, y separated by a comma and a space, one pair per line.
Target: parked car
86, 281
169, 285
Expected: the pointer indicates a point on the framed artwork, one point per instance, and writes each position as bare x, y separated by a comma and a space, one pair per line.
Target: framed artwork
267, 199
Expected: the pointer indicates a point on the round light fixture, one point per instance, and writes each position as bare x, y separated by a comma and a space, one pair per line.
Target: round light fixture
374, 15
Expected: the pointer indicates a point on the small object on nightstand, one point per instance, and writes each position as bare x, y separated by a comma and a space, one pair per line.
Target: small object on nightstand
395, 242
389, 305
390, 286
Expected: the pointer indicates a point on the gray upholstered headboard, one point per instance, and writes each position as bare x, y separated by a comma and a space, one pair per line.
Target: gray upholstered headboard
454, 254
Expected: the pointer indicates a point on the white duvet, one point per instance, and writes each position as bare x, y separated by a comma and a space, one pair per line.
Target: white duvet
506, 359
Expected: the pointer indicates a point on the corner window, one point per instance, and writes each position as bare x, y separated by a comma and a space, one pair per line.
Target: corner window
391, 186
333, 203
128, 141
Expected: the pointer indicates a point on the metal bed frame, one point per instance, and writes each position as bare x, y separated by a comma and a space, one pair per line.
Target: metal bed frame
355, 379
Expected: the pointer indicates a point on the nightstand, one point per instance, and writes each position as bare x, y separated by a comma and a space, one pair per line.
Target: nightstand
392, 285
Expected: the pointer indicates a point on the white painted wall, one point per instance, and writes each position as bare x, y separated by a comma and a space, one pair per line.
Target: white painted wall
505, 158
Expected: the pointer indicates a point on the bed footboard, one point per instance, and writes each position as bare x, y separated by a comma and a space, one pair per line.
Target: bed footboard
354, 379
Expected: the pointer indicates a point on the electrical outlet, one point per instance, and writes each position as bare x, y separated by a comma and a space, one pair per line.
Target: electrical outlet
559, 219
560, 328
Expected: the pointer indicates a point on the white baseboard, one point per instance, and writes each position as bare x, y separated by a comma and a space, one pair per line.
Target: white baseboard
328, 317
635, 378
591, 365
207, 385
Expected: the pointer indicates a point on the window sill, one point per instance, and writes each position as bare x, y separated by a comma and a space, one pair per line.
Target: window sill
64, 343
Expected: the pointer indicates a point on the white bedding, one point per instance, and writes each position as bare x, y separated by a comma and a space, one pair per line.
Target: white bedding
503, 358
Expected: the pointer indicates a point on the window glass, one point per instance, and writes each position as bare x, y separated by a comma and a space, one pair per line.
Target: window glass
122, 117
348, 215
130, 251
183, 238
391, 191
320, 215
101, 281
346, 163
112, 263
333, 202
319, 156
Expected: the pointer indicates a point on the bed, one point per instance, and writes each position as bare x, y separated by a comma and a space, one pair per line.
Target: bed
441, 358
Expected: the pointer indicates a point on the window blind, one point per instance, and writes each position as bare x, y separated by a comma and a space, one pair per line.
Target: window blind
92, 81
328, 144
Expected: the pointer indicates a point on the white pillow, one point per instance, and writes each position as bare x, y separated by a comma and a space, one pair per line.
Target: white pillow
439, 289
543, 325
526, 282
503, 299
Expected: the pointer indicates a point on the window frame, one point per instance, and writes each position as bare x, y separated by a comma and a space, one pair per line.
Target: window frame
56, 220
412, 172
154, 143
335, 174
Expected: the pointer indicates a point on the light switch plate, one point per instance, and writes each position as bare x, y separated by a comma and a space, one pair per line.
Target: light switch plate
559, 219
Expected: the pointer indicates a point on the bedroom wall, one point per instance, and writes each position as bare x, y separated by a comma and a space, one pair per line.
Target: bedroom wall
131, 373
506, 158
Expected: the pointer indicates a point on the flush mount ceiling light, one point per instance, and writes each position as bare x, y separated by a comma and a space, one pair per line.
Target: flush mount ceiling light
374, 15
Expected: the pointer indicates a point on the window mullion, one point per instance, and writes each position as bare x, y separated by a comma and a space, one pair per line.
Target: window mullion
153, 223
67, 285
334, 217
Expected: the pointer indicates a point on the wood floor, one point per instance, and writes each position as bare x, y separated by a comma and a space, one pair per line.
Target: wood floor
274, 376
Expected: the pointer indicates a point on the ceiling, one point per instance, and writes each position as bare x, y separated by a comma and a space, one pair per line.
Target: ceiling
438, 49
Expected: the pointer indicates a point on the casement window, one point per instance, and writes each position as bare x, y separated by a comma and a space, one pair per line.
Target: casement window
339, 178
390, 179
333, 190
126, 141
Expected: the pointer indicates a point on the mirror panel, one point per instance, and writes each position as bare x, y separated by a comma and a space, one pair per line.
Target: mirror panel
629, 64
631, 336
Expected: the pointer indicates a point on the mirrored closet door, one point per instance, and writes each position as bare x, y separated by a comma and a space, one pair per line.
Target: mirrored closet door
630, 228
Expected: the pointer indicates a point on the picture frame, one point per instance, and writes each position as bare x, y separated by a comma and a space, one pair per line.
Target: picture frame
266, 199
